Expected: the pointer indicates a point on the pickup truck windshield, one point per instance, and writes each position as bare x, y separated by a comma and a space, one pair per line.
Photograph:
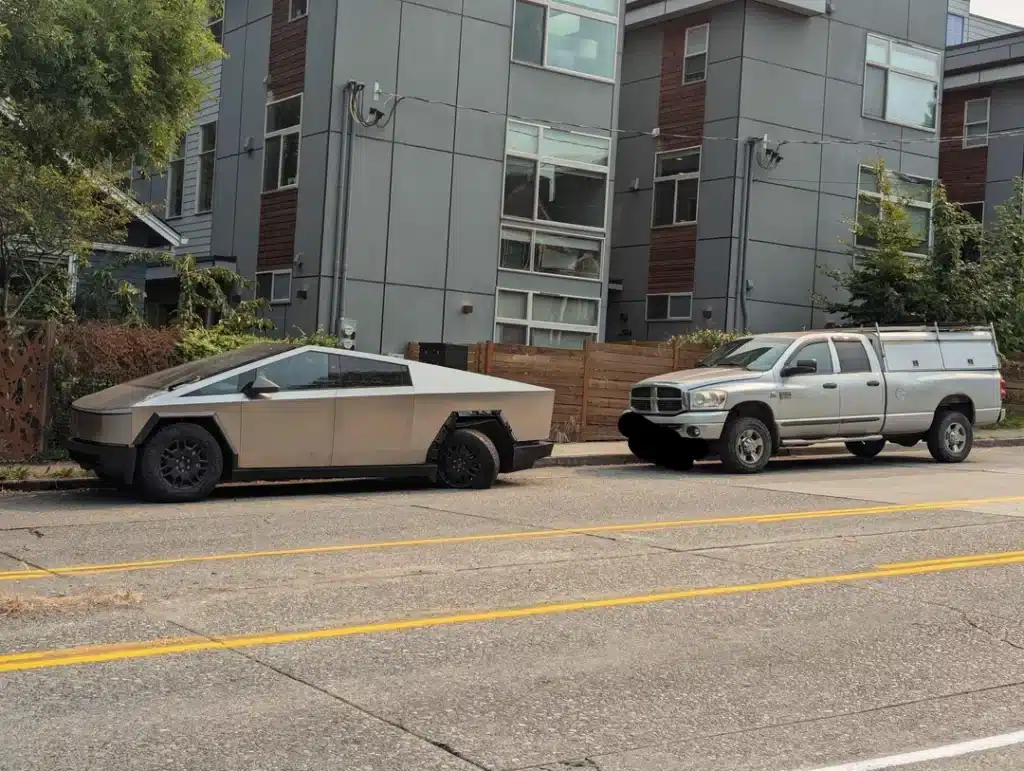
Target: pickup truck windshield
754, 353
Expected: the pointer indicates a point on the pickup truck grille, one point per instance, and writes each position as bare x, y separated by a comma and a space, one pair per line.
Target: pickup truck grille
657, 400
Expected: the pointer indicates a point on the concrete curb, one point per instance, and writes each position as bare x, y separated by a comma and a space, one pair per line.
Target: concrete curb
565, 461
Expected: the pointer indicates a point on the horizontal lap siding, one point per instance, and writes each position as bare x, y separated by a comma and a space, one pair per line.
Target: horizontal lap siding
287, 77
681, 122
963, 171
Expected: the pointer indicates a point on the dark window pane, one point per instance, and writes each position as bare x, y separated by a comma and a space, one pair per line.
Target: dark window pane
286, 114
520, 187
976, 210
264, 286
177, 193
302, 372
657, 307
820, 353
511, 334
664, 203
852, 357
695, 68
568, 256
281, 291
271, 163
299, 9
572, 196
867, 222
515, 250
528, 36
874, 92
290, 161
680, 306
684, 163
686, 200
217, 30
368, 373
229, 385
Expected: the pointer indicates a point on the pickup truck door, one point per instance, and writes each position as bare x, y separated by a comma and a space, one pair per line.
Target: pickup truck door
807, 406
861, 387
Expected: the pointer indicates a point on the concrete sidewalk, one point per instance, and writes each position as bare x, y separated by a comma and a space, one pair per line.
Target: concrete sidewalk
67, 476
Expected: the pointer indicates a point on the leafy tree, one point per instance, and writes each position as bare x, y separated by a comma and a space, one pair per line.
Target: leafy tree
885, 283
1001, 286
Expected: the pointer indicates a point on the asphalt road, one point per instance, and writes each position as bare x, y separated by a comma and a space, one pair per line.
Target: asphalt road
623, 619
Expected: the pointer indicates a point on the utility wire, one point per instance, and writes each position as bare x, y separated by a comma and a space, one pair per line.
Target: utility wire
395, 99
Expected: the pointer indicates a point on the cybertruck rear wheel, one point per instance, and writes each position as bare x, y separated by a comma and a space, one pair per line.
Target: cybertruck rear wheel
468, 461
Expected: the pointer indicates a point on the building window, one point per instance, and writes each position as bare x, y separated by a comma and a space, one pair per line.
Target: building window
216, 27
915, 193
901, 83
976, 113
207, 161
556, 176
955, 29
579, 36
176, 182
676, 187
695, 57
274, 286
541, 251
282, 142
297, 9
536, 318
670, 307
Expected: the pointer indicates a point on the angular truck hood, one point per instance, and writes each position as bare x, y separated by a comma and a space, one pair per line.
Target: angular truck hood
115, 398
703, 377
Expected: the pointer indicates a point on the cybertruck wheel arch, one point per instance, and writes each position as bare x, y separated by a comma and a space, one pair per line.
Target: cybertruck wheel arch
208, 420
492, 423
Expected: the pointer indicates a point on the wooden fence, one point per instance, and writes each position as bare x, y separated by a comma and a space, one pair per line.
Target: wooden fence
592, 386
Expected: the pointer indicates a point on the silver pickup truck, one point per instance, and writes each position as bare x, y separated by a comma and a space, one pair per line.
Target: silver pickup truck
863, 387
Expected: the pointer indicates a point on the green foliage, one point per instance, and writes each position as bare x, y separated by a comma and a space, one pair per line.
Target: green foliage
100, 79
49, 215
101, 297
1001, 285
707, 338
198, 343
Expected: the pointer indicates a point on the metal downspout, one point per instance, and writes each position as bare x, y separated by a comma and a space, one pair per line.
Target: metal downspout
748, 184
340, 237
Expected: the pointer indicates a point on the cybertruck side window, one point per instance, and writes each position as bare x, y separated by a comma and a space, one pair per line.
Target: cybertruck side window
357, 372
223, 387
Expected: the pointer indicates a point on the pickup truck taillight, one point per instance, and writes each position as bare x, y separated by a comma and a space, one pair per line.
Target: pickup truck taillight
1002, 388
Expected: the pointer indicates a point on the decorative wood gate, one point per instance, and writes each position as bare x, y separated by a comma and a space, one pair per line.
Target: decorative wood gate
26, 348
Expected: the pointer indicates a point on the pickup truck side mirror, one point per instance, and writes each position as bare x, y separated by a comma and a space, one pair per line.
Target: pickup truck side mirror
802, 367
260, 387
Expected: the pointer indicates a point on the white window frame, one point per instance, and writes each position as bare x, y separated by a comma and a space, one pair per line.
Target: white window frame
988, 117
548, 6
199, 167
529, 324
273, 282
176, 159
687, 54
976, 203
296, 129
532, 270
916, 204
291, 11
545, 160
677, 178
668, 307
889, 69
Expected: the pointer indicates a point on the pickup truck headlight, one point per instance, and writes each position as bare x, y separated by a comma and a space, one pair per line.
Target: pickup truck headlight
708, 400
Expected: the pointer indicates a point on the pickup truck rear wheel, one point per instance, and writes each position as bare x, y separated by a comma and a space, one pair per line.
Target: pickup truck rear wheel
746, 446
866, 450
951, 437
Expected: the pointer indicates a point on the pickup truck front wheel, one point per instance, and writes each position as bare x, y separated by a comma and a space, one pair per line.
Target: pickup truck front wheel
746, 446
951, 437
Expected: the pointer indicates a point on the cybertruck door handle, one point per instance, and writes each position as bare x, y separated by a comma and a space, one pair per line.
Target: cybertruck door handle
874, 383
830, 386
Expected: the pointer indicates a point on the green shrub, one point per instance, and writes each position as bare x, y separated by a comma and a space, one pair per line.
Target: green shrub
706, 338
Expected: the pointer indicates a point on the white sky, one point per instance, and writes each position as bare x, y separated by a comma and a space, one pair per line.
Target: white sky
1011, 11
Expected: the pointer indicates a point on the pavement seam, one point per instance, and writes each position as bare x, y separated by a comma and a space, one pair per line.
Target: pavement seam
771, 726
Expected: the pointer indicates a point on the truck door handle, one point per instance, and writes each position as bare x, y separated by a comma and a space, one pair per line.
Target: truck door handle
873, 383
830, 386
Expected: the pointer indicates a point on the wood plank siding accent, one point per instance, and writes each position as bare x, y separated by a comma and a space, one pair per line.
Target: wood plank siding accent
680, 114
963, 171
287, 77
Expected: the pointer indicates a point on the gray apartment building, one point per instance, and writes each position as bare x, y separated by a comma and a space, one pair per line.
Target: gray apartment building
466, 197
831, 84
983, 122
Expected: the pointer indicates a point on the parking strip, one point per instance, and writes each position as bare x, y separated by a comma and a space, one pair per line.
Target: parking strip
751, 519
95, 654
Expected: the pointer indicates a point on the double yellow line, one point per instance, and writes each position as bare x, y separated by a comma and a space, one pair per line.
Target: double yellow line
94, 654
635, 527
